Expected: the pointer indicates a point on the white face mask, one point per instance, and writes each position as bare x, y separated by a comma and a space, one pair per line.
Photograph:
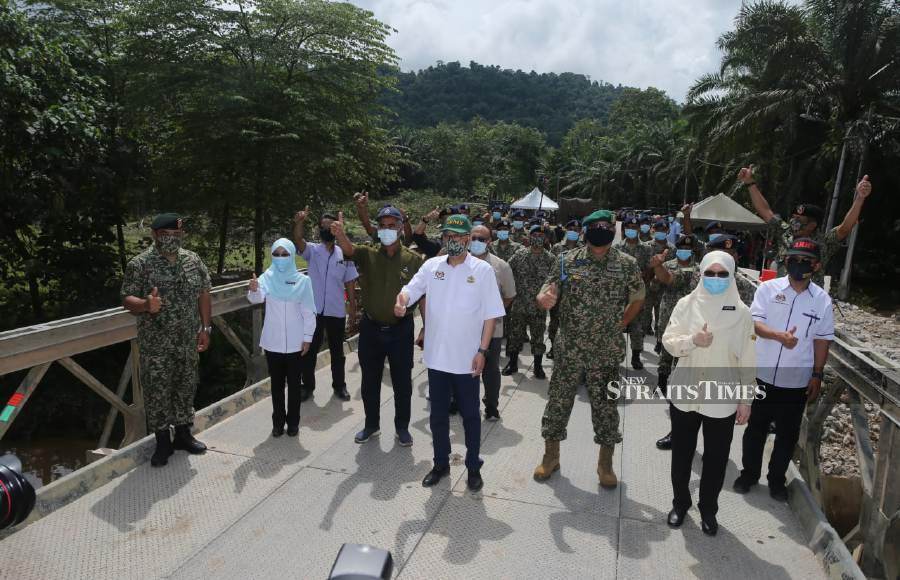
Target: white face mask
387, 236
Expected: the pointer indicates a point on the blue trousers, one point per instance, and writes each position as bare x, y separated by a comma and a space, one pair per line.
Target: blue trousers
465, 389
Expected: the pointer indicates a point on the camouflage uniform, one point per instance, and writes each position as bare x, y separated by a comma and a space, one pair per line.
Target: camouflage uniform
684, 280
783, 238
529, 271
640, 252
505, 252
167, 340
654, 294
593, 294
557, 249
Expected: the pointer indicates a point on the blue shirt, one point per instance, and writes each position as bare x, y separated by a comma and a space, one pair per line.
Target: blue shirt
329, 272
674, 231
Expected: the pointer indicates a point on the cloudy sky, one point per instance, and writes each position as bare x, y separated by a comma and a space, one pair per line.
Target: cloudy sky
661, 43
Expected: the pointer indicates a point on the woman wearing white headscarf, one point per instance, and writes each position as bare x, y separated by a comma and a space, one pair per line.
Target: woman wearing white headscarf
287, 331
711, 333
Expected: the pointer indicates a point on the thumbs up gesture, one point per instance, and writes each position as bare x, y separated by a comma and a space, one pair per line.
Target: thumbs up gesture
301, 216
254, 284
548, 297
154, 302
788, 339
745, 175
864, 187
703, 338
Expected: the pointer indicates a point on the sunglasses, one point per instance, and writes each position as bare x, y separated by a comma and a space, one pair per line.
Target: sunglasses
711, 274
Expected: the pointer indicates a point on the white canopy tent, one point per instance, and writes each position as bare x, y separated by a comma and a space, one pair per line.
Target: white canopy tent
721, 208
535, 200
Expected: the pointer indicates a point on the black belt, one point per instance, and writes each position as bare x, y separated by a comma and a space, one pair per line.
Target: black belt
383, 325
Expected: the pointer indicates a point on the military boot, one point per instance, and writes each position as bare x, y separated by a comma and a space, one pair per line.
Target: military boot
184, 440
512, 367
539, 368
550, 462
163, 450
605, 471
636, 363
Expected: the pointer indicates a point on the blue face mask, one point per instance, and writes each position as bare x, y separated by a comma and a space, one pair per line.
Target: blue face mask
714, 237
477, 223
645, 228
683, 255
716, 285
518, 224
572, 236
503, 235
496, 215
387, 236
660, 236
631, 234
477, 248
671, 219
282, 263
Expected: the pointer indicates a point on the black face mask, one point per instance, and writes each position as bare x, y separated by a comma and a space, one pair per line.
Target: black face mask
325, 235
799, 270
599, 237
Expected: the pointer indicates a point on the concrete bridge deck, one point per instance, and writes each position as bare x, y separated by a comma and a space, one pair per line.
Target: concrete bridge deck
258, 507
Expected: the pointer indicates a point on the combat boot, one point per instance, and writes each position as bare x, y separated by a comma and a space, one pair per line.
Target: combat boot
636, 363
539, 368
512, 367
550, 462
163, 450
184, 440
605, 471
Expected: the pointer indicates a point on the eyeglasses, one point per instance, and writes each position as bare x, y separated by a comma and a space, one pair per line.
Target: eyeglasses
712, 274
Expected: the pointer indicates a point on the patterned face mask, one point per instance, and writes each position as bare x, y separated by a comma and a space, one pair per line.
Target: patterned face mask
168, 243
454, 247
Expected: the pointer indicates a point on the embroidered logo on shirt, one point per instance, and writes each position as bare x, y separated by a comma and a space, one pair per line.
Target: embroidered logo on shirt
780, 298
728, 308
439, 275
470, 279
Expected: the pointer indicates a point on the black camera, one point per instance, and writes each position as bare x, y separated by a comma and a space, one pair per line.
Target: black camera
16, 494
361, 562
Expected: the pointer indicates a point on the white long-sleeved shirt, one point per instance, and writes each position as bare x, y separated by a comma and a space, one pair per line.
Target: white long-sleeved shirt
287, 325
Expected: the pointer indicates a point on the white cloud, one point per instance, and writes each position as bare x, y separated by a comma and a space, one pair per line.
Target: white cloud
661, 43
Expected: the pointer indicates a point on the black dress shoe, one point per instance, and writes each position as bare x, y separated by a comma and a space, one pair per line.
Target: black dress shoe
665, 442
742, 485
293, 432
539, 367
277, 431
475, 482
342, 394
676, 518
435, 475
709, 526
305, 394
779, 493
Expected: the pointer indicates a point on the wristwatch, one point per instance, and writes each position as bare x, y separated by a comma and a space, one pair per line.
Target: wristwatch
818, 375
206, 329
483, 351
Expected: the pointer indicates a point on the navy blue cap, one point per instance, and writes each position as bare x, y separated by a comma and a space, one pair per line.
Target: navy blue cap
713, 225
723, 242
166, 221
644, 217
503, 223
630, 220
389, 211
573, 224
518, 213
661, 224
686, 240
535, 228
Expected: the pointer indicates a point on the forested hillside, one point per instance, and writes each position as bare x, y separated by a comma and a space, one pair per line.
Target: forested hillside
450, 92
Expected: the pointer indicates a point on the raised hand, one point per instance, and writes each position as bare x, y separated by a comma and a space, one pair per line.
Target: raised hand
154, 302
433, 215
400, 305
864, 187
254, 284
686, 209
657, 260
703, 338
301, 216
788, 339
361, 199
548, 298
745, 175
337, 226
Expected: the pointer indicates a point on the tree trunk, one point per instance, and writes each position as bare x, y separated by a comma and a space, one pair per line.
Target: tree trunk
223, 238
120, 238
258, 219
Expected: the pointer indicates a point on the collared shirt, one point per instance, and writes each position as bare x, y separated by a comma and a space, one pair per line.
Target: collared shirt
779, 307
460, 299
329, 273
675, 229
381, 277
505, 281
287, 325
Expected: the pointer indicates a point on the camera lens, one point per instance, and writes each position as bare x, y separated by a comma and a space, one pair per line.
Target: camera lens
17, 496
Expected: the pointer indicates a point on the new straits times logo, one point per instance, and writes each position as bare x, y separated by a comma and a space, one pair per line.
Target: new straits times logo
711, 391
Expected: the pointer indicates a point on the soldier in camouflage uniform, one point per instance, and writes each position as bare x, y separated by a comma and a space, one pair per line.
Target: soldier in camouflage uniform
570, 241
519, 232
599, 290
503, 247
642, 253
806, 222
645, 222
167, 288
650, 312
530, 268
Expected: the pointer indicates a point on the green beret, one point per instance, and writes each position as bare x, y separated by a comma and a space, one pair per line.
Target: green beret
166, 221
599, 215
457, 223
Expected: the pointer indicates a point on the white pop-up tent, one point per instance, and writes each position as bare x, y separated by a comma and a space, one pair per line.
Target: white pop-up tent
535, 200
721, 208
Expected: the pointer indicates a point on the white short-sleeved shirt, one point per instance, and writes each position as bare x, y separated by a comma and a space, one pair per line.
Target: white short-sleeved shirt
779, 307
459, 300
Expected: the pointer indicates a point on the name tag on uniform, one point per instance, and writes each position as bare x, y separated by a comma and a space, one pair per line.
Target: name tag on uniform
728, 308
470, 279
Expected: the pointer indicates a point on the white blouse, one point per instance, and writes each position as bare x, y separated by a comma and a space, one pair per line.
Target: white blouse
287, 324
706, 379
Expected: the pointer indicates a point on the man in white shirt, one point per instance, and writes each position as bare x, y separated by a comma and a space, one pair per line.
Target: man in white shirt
463, 301
795, 325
